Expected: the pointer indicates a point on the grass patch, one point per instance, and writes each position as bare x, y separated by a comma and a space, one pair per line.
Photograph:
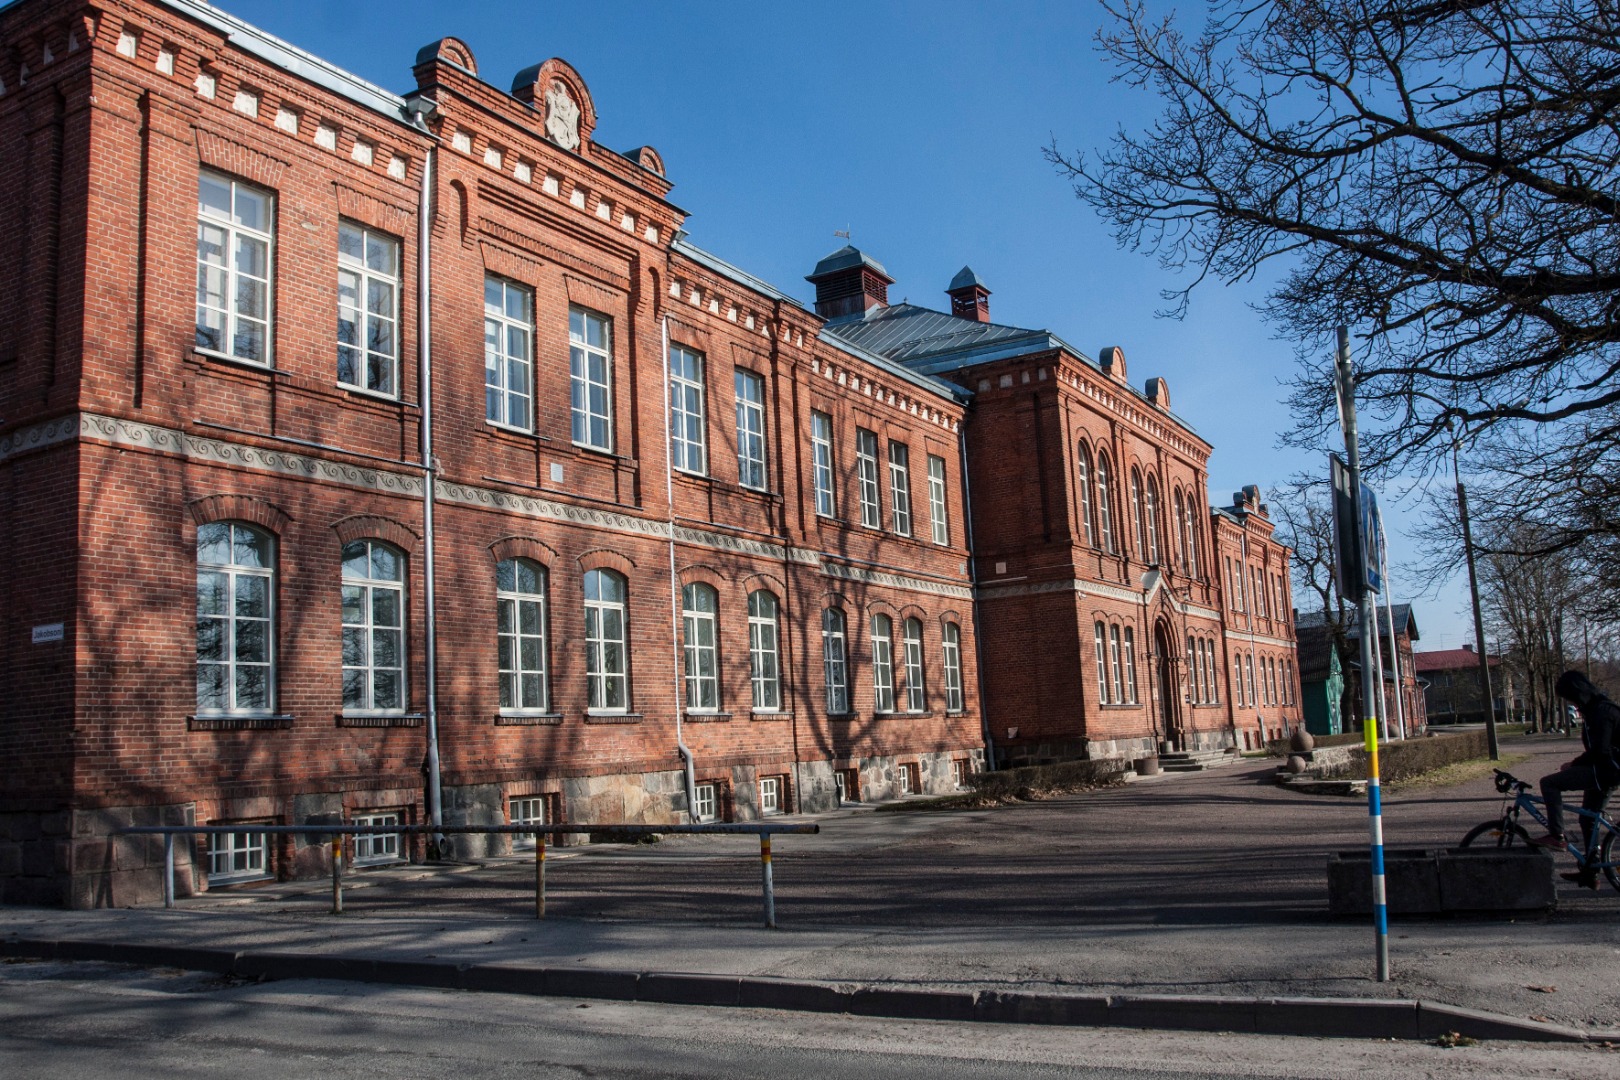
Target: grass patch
1458, 772
1402, 761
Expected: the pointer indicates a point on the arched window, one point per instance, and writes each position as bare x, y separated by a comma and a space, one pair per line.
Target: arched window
834, 659
607, 662
373, 627
951, 647
1194, 662
520, 628
764, 664
1137, 520
882, 664
1115, 676
1130, 666
1179, 508
1212, 687
1248, 667
1192, 537
1151, 510
1237, 680
1082, 480
916, 693
235, 619
1105, 513
700, 606
1102, 662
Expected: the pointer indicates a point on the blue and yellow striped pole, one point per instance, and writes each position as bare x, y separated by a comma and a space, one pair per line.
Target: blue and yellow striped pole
1371, 679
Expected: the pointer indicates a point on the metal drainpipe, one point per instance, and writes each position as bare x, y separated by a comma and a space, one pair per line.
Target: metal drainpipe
973, 586
675, 589
430, 474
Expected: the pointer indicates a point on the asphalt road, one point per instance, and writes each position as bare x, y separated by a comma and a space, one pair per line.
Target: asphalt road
73, 1021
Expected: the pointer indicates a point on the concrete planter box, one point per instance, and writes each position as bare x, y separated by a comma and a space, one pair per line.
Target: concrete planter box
1428, 882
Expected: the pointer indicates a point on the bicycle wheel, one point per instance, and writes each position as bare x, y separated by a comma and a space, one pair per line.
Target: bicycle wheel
1606, 855
1491, 834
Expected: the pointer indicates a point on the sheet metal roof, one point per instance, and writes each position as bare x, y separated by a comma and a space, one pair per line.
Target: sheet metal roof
1403, 620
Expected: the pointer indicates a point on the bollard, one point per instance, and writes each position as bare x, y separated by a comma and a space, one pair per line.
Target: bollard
539, 876
168, 869
337, 873
770, 887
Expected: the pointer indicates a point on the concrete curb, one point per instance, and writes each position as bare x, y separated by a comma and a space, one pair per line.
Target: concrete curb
1319, 1017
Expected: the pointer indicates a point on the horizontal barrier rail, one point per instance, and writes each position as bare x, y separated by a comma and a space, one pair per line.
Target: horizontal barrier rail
323, 832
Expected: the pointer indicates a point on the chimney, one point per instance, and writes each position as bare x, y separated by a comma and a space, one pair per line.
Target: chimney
969, 298
849, 282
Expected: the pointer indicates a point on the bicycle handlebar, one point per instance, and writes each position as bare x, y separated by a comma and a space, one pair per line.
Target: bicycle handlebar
1506, 782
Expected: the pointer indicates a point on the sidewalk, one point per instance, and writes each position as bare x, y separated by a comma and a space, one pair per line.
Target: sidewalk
1018, 913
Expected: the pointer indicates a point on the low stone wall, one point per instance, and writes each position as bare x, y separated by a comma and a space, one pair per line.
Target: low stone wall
1430, 882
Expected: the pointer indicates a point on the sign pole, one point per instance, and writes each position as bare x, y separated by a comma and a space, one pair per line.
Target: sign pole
1367, 615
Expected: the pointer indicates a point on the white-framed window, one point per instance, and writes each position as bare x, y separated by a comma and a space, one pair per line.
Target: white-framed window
1136, 514
1115, 674
520, 617
688, 444
368, 309
1100, 633
882, 664
590, 373
1248, 667
235, 243
961, 769
1195, 693
1237, 679
508, 353
1192, 539
1105, 511
1258, 581
835, 660
1082, 483
905, 779
700, 606
1130, 666
764, 664
936, 500
750, 430
900, 487
705, 802
951, 649
1212, 671
373, 627
916, 691
866, 470
1151, 510
238, 856
770, 795
525, 810
821, 463
607, 661
235, 619
373, 848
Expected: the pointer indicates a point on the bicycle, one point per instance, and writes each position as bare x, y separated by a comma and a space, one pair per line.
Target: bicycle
1603, 853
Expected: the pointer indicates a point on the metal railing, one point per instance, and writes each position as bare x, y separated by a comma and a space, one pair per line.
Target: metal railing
334, 833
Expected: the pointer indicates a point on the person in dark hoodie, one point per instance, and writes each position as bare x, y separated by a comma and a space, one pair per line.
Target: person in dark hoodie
1595, 773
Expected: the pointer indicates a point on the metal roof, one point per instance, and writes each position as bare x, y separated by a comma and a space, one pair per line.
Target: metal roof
1403, 620
914, 335
965, 278
843, 259
935, 386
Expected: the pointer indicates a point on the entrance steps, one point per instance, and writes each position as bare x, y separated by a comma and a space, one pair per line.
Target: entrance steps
1196, 760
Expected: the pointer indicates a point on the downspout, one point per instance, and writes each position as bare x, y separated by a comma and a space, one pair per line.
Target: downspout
973, 587
675, 590
430, 473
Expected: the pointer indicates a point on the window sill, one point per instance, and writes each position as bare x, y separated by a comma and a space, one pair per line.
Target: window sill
238, 723
363, 720
613, 718
528, 719
237, 361
507, 429
844, 716
371, 395
707, 717
770, 715
1121, 705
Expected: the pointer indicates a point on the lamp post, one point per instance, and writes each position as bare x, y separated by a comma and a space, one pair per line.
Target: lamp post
1473, 594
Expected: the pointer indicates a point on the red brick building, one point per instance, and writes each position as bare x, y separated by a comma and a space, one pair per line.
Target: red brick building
652, 542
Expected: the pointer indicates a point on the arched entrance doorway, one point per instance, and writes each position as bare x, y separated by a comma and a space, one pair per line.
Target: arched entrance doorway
1169, 686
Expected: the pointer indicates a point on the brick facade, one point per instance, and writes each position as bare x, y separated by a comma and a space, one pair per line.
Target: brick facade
131, 441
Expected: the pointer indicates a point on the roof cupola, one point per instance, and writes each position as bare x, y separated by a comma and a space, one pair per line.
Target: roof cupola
969, 298
849, 282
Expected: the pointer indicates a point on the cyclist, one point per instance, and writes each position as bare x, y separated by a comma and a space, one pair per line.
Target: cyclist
1595, 773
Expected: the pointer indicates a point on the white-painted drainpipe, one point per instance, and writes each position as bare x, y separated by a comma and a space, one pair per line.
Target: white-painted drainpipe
675, 590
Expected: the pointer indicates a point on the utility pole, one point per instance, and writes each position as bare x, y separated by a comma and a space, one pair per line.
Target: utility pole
1479, 625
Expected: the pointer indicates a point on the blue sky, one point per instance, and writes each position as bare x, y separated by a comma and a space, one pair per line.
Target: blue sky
916, 126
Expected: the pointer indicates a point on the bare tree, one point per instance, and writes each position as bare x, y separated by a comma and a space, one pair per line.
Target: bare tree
1526, 604
1442, 177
